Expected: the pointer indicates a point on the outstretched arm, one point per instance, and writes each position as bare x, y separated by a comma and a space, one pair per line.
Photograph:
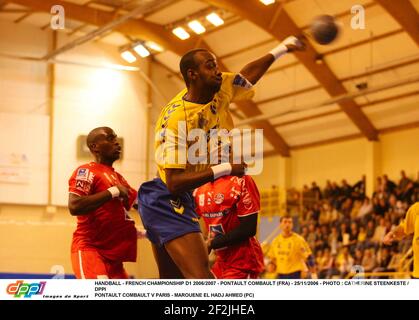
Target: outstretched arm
178, 181
256, 69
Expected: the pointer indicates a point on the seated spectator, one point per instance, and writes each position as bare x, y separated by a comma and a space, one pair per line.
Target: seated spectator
358, 190
380, 231
333, 241
315, 189
368, 261
405, 188
370, 230
383, 260
365, 209
326, 264
359, 254
355, 209
327, 193
362, 235
389, 186
344, 262
343, 235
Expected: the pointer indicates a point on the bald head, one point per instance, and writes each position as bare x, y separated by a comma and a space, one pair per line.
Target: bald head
103, 144
95, 134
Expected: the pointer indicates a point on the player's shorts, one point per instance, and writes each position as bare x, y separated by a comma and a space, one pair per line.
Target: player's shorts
294, 275
90, 264
165, 216
222, 271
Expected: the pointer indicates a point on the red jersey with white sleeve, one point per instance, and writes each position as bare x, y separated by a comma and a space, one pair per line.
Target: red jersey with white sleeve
220, 204
108, 229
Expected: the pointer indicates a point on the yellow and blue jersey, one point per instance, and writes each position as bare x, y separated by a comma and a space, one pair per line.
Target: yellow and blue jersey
290, 254
410, 225
171, 149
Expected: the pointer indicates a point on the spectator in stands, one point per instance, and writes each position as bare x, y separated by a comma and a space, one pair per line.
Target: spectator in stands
315, 189
383, 260
380, 231
327, 193
344, 262
333, 241
368, 261
370, 230
362, 235
389, 186
326, 264
365, 209
344, 234
405, 188
359, 188
358, 256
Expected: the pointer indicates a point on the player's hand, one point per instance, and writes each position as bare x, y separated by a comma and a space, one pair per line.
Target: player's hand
238, 170
389, 238
123, 192
294, 44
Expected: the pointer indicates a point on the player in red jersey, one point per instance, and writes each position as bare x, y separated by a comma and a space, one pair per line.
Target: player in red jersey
100, 197
229, 207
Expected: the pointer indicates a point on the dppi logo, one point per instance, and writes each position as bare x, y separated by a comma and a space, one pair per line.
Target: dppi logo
27, 290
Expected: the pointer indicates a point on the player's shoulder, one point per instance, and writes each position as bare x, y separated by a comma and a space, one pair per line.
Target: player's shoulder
84, 168
298, 237
236, 80
86, 172
415, 208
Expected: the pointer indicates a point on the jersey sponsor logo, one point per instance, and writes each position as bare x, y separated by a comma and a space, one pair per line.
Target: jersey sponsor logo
218, 214
219, 198
240, 81
82, 174
83, 186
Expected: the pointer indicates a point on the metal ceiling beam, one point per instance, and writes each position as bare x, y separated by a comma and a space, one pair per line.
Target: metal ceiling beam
284, 26
150, 31
405, 14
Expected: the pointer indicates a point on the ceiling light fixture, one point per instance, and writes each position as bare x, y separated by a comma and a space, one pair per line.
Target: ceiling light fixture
196, 26
141, 50
267, 2
215, 19
154, 46
181, 33
128, 56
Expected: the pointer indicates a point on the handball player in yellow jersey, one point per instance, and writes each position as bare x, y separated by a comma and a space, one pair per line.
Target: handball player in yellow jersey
166, 204
410, 225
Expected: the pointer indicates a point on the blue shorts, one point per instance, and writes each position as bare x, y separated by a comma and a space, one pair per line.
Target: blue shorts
165, 216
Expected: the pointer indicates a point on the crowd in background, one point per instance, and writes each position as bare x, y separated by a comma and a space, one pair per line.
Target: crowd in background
344, 228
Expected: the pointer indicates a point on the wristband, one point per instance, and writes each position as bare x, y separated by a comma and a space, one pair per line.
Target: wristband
221, 170
114, 191
279, 51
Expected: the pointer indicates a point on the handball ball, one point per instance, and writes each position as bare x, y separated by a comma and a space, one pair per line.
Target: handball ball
324, 29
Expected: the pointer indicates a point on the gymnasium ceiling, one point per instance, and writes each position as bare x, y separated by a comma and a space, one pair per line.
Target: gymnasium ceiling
291, 95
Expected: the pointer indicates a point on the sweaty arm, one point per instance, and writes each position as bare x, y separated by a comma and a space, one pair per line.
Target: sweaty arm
178, 180
81, 205
246, 229
256, 69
